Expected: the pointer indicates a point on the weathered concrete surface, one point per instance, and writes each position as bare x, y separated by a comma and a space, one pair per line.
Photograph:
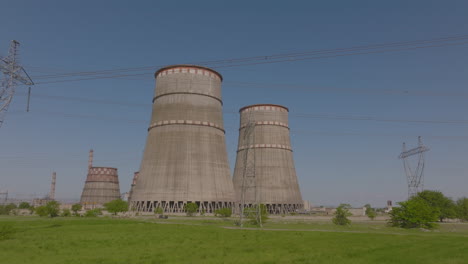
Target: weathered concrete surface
101, 186
185, 157
275, 175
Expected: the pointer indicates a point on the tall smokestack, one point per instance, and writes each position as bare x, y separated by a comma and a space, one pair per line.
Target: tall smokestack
90, 161
52, 186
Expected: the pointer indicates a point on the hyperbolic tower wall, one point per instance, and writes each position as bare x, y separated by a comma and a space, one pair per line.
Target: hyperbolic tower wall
185, 157
101, 186
274, 172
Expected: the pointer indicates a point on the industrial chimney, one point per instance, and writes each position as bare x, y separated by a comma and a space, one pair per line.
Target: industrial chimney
52, 186
185, 158
271, 176
101, 186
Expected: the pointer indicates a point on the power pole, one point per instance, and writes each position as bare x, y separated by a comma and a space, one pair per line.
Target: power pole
415, 178
13, 74
249, 182
5, 197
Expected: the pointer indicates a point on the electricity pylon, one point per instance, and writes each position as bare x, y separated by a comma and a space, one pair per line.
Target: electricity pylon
249, 182
12, 74
415, 178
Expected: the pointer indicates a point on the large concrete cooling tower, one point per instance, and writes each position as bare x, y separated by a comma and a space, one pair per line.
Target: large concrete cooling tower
101, 186
274, 181
135, 178
185, 158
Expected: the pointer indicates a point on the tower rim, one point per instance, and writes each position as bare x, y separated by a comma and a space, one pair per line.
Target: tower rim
254, 105
189, 66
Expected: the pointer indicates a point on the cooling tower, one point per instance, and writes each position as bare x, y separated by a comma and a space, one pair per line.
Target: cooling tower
135, 178
185, 158
273, 175
101, 186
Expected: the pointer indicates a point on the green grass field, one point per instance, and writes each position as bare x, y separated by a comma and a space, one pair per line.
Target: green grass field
182, 240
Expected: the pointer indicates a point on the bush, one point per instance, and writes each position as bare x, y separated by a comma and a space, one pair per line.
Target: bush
53, 208
76, 207
41, 211
6, 209
6, 231
116, 206
158, 210
93, 213
191, 209
341, 215
462, 209
370, 212
24, 205
224, 212
66, 213
414, 213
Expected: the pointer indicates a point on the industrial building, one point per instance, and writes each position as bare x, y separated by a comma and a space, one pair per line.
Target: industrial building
185, 158
101, 186
264, 172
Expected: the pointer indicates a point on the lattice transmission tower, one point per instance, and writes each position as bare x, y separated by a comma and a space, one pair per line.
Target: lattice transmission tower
415, 178
249, 183
13, 74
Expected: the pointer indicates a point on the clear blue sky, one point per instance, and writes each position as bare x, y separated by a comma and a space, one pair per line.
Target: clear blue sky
336, 160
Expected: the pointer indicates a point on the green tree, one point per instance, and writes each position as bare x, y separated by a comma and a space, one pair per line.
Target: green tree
6, 209
436, 199
414, 213
24, 205
41, 210
462, 209
116, 206
370, 212
66, 213
191, 209
93, 213
224, 212
52, 208
76, 207
341, 215
158, 210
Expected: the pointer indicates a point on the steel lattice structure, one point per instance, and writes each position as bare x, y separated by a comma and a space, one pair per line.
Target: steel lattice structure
12, 74
248, 175
415, 178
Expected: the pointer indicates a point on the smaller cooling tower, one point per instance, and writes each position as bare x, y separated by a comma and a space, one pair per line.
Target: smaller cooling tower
269, 167
101, 186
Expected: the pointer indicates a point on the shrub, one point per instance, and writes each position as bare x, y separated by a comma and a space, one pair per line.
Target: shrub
76, 207
52, 208
6, 209
66, 213
159, 210
24, 205
116, 206
191, 209
224, 212
93, 213
370, 212
41, 210
341, 215
414, 213
462, 209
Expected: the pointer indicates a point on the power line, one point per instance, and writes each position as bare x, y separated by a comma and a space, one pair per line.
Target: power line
276, 58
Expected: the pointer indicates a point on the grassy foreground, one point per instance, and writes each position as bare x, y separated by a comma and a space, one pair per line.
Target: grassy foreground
104, 240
